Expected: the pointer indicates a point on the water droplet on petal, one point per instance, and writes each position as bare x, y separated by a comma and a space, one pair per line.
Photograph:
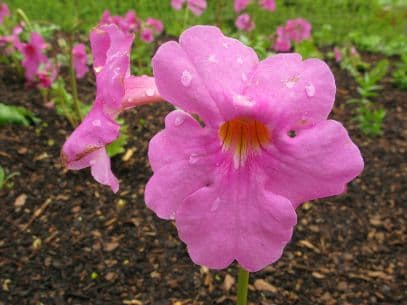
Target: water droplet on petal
193, 158
290, 84
98, 69
242, 100
212, 59
186, 78
215, 205
244, 77
310, 90
92, 162
225, 45
179, 120
239, 60
150, 92
172, 216
97, 123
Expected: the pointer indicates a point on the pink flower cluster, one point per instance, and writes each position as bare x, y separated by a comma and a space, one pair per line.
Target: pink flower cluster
116, 91
130, 23
197, 7
295, 30
268, 5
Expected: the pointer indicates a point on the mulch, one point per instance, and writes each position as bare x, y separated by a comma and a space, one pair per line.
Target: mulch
64, 239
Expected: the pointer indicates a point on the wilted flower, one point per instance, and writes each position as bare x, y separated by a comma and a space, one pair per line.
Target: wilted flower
245, 23
240, 5
298, 29
232, 186
4, 12
338, 54
80, 60
197, 7
33, 55
116, 91
268, 5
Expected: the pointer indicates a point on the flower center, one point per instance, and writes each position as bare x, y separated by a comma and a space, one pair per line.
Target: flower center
243, 137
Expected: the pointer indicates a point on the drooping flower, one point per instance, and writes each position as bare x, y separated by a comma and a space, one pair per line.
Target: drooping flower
33, 55
240, 5
282, 43
268, 5
245, 23
232, 186
338, 54
116, 91
156, 25
197, 7
4, 12
80, 60
298, 29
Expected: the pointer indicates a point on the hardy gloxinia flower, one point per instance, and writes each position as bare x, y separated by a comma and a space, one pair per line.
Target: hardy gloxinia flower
240, 5
266, 146
128, 23
282, 43
197, 7
298, 29
33, 55
47, 74
245, 23
116, 91
4, 12
147, 35
156, 25
80, 60
13, 40
268, 5
338, 54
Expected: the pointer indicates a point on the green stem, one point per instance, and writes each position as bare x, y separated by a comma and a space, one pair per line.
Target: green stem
186, 15
73, 85
242, 285
64, 107
24, 17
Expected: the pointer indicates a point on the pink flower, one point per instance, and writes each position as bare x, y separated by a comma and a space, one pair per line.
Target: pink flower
338, 54
117, 91
298, 29
128, 23
268, 5
282, 43
147, 35
12, 39
240, 5
4, 12
197, 7
33, 55
232, 186
106, 17
80, 60
46, 75
156, 25
244, 22
353, 51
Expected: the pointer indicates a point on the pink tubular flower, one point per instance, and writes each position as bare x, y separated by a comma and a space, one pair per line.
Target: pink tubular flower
117, 90
338, 54
4, 12
197, 7
13, 40
147, 35
156, 25
33, 55
282, 43
177, 4
268, 5
47, 74
128, 23
245, 23
80, 60
232, 186
298, 29
240, 5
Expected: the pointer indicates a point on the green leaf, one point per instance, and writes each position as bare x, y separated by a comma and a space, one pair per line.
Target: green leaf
16, 115
2, 177
308, 49
118, 147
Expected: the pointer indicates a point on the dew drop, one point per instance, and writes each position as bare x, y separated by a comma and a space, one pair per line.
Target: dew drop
172, 216
97, 123
92, 162
98, 69
242, 100
150, 92
193, 158
239, 60
310, 90
215, 205
179, 120
186, 78
212, 59
225, 45
290, 84
244, 77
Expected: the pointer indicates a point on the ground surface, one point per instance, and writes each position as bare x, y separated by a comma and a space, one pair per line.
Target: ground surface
64, 239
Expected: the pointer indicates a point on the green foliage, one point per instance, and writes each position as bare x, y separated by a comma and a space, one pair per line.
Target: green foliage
370, 120
259, 43
368, 81
379, 44
118, 146
5, 178
10, 114
400, 74
308, 49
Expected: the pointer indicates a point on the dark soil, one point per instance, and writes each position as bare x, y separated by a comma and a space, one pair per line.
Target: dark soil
64, 239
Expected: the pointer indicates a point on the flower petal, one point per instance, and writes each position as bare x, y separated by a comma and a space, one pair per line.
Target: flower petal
316, 163
293, 92
139, 90
235, 219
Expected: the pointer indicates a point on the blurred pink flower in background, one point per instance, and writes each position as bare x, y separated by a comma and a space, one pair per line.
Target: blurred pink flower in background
268, 5
298, 29
80, 60
156, 25
147, 35
240, 5
197, 7
282, 43
47, 74
232, 185
116, 91
33, 55
353, 51
245, 23
4, 12
12, 41
338, 54
128, 23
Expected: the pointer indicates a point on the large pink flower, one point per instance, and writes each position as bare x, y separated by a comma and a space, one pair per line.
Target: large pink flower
240, 5
117, 91
298, 29
268, 5
80, 60
232, 186
197, 7
4, 12
245, 23
33, 55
